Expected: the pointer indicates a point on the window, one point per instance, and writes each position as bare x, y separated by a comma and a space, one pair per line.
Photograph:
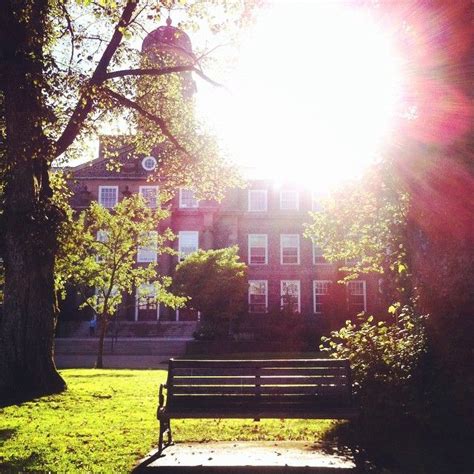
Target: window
290, 295
258, 249
150, 195
188, 243
257, 200
316, 202
187, 199
356, 296
146, 296
149, 163
318, 257
290, 249
102, 236
147, 251
320, 293
258, 296
108, 196
289, 200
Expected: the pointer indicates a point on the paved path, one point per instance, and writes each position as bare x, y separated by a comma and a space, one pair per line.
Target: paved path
247, 457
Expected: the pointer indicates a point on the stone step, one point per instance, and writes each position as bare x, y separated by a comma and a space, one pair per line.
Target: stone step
162, 329
122, 346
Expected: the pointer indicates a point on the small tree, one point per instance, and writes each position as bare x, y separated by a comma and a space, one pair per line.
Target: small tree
98, 250
215, 281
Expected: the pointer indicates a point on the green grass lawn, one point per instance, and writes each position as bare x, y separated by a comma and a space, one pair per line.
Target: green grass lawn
106, 421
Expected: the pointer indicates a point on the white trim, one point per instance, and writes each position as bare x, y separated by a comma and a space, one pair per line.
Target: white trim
266, 296
253, 191
296, 193
99, 200
282, 236
183, 206
249, 247
155, 188
298, 282
329, 282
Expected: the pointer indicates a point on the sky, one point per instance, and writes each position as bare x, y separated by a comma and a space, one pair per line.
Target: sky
311, 97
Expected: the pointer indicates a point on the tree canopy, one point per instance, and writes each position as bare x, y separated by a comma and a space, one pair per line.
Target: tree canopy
215, 281
68, 70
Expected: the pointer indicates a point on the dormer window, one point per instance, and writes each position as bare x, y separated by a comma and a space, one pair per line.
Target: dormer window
108, 196
149, 163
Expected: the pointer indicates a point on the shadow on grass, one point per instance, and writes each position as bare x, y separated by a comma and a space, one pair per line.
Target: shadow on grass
22, 465
7, 433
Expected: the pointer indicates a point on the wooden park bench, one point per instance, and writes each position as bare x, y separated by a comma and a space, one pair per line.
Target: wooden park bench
269, 388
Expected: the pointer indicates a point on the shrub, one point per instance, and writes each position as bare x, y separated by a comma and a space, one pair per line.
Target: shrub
386, 363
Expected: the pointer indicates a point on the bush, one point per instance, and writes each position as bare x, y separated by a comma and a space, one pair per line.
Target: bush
205, 332
386, 362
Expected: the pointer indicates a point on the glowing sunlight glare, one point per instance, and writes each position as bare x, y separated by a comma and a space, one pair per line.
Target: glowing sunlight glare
312, 96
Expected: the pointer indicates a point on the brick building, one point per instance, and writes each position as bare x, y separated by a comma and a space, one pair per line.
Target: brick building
263, 219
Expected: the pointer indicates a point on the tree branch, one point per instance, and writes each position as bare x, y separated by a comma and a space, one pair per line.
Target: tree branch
160, 72
125, 102
85, 102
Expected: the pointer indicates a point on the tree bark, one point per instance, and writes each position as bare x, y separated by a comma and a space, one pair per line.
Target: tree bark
28, 228
100, 350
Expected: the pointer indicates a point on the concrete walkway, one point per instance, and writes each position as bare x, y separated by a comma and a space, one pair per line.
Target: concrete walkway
247, 457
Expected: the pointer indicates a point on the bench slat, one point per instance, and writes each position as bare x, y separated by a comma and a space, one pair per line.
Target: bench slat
264, 380
271, 363
321, 413
247, 389
250, 371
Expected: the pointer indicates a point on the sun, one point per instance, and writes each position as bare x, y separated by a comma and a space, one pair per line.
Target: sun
312, 97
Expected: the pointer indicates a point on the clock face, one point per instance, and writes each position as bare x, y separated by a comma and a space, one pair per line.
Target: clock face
149, 163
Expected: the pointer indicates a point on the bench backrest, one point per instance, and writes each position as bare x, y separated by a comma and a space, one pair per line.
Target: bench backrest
222, 384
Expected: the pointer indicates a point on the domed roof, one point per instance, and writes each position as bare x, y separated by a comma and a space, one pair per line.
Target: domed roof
170, 37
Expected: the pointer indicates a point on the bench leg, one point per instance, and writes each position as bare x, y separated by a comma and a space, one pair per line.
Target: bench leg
165, 427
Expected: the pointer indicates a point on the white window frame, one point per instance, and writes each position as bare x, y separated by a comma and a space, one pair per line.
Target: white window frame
315, 284
195, 233
364, 289
282, 284
256, 191
265, 282
297, 200
250, 249
325, 263
282, 236
115, 188
182, 204
137, 302
143, 251
143, 189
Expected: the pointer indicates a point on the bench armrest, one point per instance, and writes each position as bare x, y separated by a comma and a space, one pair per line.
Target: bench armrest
161, 397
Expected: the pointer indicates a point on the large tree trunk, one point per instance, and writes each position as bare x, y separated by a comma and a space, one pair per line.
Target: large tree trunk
29, 222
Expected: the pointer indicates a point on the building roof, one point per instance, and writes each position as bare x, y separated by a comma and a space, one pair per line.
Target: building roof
168, 37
